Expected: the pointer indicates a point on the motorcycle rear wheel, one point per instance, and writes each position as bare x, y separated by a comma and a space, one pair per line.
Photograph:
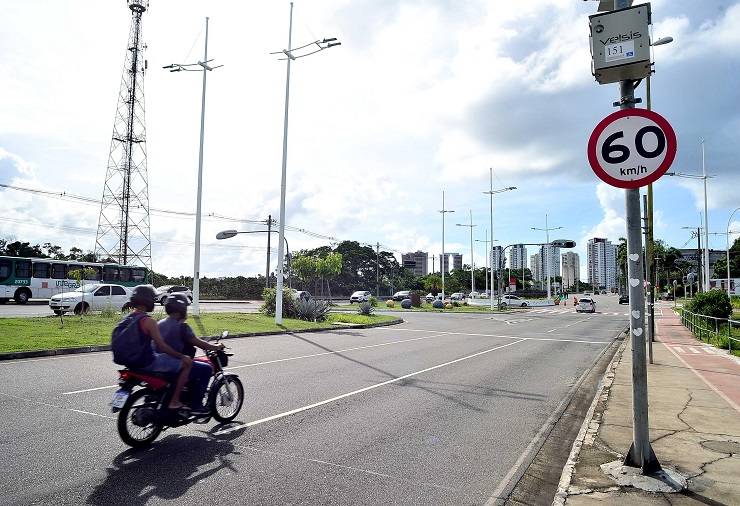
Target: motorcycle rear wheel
226, 398
134, 434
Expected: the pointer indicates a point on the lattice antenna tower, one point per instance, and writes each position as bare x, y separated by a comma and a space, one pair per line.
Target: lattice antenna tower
123, 227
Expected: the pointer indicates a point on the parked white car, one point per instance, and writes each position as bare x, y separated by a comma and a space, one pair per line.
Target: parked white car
360, 296
163, 291
92, 297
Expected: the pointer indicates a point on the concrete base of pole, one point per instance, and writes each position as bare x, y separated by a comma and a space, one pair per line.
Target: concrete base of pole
665, 480
649, 466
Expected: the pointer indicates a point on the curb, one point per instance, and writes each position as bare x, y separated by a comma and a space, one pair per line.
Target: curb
16, 355
606, 382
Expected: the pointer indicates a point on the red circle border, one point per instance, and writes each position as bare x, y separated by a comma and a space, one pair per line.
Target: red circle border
671, 147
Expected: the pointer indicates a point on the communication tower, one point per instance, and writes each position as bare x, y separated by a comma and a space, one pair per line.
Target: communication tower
123, 227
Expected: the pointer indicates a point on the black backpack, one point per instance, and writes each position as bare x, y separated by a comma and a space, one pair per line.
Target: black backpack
130, 346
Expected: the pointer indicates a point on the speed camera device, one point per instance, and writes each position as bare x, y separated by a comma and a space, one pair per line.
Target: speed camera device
620, 44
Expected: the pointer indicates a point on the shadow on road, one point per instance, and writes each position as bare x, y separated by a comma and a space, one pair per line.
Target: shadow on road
166, 470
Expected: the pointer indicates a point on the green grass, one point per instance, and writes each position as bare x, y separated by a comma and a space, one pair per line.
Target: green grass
27, 334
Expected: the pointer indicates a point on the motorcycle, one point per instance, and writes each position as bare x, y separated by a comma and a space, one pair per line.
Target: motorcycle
142, 399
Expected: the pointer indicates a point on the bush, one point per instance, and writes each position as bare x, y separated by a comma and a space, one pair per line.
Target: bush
390, 303
437, 304
311, 310
268, 307
448, 305
714, 303
406, 303
373, 301
455, 304
416, 297
365, 308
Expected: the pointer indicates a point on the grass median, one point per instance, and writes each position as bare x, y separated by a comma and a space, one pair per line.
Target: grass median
30, 334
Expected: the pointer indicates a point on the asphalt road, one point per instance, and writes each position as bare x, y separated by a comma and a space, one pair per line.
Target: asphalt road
28, 310
443, 409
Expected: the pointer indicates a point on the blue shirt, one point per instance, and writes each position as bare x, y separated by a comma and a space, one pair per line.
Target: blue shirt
176, 333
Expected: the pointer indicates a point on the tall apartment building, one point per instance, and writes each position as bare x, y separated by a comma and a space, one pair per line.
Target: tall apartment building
535, 265
601, 259
444, 263
416, 262
456, 261
497, 259
518, 257
550, 259
571, 269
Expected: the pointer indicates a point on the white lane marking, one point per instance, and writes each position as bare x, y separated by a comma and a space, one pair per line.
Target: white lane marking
89, 390
361, 390
340, 466
40, 403
511, 337
283, 359
58, 357
436, 334
694, 350
570, 324
678, 349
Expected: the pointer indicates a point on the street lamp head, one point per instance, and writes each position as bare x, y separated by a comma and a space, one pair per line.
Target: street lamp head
226, 234
661, 41
331, 39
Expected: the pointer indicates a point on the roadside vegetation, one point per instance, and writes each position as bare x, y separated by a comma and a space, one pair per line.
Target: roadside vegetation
27, 334
709, 316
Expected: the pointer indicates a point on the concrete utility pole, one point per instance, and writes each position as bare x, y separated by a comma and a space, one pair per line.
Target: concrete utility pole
706, 222
548, 255
486, 262
729, 293
650, 328
641, 452
472, 261
377, 269
443, 260
269, 233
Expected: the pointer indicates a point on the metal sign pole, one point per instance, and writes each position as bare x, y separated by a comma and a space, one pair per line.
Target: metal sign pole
650, 328
640, 453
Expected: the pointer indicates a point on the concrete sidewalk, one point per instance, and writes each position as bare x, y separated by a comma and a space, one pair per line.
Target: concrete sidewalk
694, 426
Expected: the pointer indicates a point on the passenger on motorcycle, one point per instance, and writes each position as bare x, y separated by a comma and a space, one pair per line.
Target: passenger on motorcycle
167, 360
179, 336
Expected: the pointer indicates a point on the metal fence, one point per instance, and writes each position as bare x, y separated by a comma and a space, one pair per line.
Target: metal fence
721, 332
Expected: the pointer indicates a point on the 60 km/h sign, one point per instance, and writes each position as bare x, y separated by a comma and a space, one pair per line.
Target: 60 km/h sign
631, 148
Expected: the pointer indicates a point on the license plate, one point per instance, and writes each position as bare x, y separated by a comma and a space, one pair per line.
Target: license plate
119, 398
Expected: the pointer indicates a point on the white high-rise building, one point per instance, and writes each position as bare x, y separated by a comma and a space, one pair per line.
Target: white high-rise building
550, 258
535, 265
571, 269
498, 261
602, 264
518, 257
416, 262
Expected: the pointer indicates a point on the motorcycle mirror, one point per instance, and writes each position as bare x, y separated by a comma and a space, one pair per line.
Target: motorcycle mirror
224, 334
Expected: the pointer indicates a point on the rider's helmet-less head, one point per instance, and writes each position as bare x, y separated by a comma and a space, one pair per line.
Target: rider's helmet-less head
143, 295
176, 303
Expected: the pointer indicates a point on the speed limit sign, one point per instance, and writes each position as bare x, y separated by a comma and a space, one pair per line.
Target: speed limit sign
631, 148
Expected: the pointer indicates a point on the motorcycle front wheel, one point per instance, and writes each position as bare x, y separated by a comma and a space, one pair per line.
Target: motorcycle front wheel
226, 398
136, 420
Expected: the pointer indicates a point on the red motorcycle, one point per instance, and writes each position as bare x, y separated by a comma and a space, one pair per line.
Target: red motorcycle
142, 400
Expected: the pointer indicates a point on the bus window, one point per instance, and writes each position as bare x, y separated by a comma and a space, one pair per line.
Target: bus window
124, 274
93, 273
110, 274
138, 275
58, 271
73, 267
41, 270
22, 268
6, 266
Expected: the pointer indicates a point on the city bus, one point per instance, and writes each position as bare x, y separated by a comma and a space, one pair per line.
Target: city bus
22, 279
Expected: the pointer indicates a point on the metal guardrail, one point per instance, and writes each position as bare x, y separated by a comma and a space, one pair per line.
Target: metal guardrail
706, 327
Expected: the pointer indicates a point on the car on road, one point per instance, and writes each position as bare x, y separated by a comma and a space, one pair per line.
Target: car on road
513, 300
457, 296
360, 296
665, 296
429, 297
162, 292
586, 294
402, 294
624, 299
586, 305
92, 297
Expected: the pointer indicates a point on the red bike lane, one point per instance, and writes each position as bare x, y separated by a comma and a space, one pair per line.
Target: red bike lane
720, 371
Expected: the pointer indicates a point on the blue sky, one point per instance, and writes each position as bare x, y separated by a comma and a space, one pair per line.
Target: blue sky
422, 96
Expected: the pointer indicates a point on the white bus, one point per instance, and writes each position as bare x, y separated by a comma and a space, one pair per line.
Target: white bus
22, 279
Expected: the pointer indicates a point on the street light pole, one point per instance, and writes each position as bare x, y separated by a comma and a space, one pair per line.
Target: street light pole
706, 221
443, 259
491, 192
472, 261
486, 261
548, 256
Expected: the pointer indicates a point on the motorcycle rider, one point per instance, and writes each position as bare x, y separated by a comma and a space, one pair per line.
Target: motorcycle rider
179, 336
168, 360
